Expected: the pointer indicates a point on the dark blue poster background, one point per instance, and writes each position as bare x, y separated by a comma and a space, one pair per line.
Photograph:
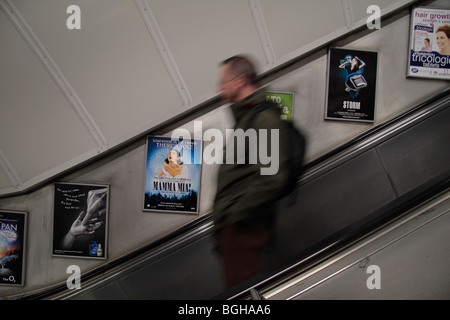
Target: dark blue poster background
351, 91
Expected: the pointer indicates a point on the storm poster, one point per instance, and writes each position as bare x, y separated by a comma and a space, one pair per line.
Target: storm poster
351, 91
12, 247
172, 180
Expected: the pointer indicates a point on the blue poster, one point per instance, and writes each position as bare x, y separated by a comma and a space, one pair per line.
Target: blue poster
12, 247
172, 180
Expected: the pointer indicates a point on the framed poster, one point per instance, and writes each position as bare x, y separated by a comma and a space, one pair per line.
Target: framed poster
80, 220
13, 232
285, 101
351, 87
429, 43
172, 179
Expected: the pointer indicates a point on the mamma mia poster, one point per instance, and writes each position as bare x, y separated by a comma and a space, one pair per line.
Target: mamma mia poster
172, 181
351, 91
12, 247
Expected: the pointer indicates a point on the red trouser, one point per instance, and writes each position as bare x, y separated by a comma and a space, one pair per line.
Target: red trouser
242, 250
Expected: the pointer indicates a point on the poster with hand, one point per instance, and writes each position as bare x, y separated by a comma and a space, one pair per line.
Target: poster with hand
80, 220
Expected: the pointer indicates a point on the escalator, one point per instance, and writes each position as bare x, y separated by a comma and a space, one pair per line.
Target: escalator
343, 196
407, 258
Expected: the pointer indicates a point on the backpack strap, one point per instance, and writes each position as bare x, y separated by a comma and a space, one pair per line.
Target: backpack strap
259, 108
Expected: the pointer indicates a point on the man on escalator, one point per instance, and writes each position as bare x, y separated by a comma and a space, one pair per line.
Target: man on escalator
247, 190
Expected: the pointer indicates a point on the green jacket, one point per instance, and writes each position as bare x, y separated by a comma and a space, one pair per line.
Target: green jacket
244, 195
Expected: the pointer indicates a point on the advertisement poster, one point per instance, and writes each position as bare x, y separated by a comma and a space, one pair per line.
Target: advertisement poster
351, 91
12, 247
172, 182
80, 220
429, 43
285, 101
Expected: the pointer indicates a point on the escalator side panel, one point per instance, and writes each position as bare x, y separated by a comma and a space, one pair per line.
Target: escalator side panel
419, 154
333, 201
189, 273
355, 190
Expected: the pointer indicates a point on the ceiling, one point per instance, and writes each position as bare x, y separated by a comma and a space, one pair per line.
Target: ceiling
68, 95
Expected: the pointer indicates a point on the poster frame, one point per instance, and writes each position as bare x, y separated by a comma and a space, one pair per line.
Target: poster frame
104, 239
146, 206
371, 109
24, 235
